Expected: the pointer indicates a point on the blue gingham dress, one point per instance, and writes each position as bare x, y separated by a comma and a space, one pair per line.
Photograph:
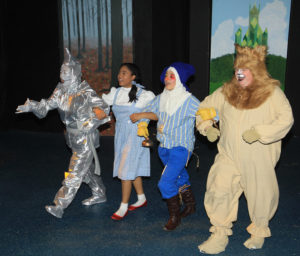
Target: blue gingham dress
131, 158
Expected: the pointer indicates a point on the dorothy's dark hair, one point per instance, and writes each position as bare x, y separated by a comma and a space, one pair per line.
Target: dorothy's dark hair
134, 69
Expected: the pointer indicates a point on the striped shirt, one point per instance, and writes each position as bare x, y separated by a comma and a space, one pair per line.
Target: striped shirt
178, 129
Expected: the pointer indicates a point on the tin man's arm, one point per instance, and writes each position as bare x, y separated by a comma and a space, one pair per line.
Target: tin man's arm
98, 112
41, 108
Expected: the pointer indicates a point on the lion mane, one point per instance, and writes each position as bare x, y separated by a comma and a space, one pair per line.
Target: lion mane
262, 86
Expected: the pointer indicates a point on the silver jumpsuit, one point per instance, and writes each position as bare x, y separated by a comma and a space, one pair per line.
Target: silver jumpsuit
75, 101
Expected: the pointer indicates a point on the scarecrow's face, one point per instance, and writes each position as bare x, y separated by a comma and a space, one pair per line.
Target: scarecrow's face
170, 80
125, 77
244, 77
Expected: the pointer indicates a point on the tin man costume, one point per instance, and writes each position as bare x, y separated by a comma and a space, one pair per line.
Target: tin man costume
75, 101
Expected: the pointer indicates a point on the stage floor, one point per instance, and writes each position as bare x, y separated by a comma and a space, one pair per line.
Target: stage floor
32, 167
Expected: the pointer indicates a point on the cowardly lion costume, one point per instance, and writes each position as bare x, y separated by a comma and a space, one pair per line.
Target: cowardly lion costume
254, 116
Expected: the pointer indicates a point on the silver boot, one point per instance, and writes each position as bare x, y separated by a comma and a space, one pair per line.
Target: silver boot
97, 199
98, 189
64, 196
56, 210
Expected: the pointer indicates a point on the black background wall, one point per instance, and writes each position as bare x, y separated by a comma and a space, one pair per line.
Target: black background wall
292, 68
164, 32
31, 61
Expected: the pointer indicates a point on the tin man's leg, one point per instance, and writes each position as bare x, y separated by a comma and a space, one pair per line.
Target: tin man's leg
96, 184
79, 165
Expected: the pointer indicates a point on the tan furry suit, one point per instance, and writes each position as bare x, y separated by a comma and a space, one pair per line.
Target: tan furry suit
239, 166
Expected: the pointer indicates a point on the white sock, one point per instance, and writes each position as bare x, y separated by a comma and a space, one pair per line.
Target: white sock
140, 201
122, 210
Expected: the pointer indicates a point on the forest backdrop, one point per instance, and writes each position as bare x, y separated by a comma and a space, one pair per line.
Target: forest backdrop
99, 34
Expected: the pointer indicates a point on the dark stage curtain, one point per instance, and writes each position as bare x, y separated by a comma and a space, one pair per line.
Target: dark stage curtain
292, 88
170, 36
31, 49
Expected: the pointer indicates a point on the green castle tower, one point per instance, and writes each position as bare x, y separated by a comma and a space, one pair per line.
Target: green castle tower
265, 38
254, 35
238, 36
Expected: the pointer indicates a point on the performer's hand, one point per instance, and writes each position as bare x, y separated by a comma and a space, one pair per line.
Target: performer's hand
160, 129
100, 114
143, 130
206, 113
212, 134
250, 136
136, 117
24, 108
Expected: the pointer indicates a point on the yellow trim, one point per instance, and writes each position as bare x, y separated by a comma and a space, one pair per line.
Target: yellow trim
164, 170
187, 160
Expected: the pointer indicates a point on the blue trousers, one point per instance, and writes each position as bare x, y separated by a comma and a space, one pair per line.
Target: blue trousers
175, 176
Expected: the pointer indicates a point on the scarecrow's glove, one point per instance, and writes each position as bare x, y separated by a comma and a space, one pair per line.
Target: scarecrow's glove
205, 120
206, 113
143, 130
212, 134
250, 136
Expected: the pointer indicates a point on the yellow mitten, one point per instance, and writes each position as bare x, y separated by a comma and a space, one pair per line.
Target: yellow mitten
143, 130
250, 136
212, 134
206, 113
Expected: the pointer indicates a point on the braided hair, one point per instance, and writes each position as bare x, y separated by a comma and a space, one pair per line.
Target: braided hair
134, 69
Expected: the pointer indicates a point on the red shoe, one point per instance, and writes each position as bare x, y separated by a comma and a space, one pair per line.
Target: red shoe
132, 208
117, 217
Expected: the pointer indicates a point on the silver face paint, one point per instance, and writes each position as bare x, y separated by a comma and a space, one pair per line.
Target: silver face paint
240, 75
65, 73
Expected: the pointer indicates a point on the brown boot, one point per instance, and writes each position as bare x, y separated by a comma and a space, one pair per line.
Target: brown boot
189, 201
174, 212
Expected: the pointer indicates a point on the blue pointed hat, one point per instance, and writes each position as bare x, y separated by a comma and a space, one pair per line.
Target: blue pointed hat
184, 70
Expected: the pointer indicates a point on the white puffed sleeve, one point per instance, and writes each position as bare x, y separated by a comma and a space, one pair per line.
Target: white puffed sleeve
145, 98
109, 98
